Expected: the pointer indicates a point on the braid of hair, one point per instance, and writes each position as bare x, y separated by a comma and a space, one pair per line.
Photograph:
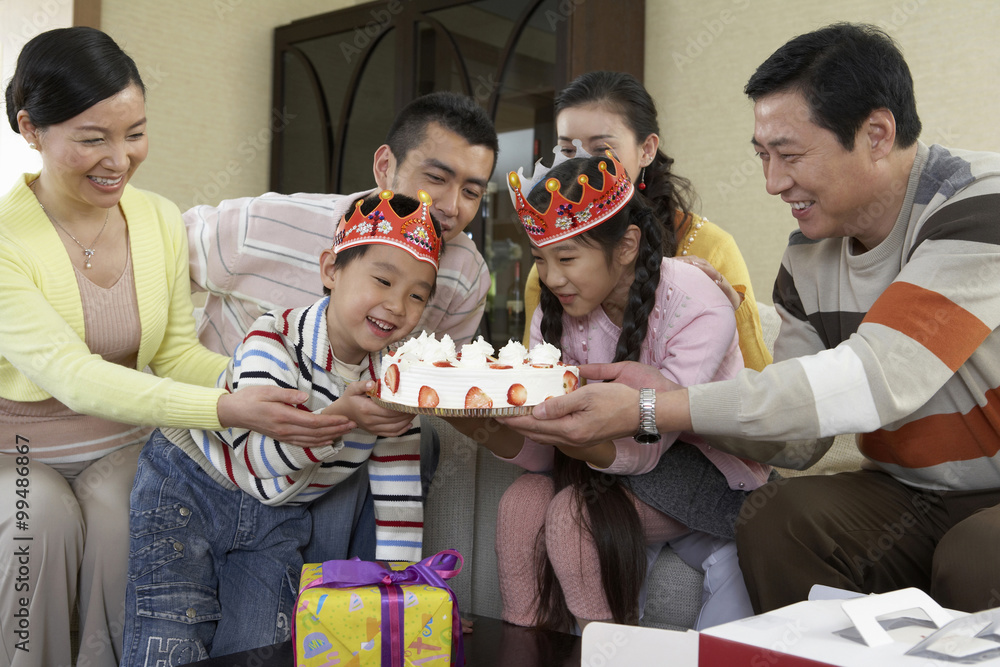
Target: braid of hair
642, 293
666, 193
552, 317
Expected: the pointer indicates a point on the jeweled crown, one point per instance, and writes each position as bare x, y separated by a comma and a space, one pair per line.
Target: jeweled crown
413, 233
564, 218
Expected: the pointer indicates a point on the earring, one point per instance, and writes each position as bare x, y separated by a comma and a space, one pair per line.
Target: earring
642, 178
31, 145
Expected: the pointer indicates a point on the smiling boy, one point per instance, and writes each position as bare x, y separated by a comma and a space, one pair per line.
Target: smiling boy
219, 520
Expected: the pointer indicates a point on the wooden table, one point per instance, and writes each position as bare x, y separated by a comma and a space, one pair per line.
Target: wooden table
492, 643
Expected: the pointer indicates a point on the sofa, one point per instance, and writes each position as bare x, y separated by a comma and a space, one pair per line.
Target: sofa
461, 512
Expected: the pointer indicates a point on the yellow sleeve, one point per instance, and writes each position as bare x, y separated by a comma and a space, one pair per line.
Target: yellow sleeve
180, 355
42, 348
719, 248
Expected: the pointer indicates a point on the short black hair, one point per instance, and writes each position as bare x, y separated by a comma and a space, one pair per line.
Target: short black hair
456, 113
63, 72
844, 71
403, 206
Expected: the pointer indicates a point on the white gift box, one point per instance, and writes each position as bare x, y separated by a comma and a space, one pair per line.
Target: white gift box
904, 628
610, 645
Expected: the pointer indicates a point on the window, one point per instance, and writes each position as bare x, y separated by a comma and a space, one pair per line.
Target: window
342, 76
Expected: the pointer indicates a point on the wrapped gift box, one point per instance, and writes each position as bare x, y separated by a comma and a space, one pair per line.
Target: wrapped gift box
354, 614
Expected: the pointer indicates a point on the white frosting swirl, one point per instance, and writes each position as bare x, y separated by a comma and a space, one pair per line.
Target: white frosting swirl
512, 354
443, 350
413, 348
427, 348
544, 353
474, 354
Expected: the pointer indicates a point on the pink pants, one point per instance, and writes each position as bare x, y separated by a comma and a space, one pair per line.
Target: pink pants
531, 504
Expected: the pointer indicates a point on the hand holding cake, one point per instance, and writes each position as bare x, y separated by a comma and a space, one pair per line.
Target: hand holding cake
359, 408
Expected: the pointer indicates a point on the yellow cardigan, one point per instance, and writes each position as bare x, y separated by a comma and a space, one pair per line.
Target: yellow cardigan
42, 349
718, 247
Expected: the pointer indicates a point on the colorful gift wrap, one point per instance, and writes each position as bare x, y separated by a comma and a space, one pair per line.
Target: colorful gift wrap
353, 613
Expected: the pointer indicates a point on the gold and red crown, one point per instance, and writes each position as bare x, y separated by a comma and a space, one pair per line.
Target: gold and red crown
413, 233
564, 218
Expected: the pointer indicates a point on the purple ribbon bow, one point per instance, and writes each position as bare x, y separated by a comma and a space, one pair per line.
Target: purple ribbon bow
430, 571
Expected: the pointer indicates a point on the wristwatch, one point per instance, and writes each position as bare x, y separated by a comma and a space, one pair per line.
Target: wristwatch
647, 433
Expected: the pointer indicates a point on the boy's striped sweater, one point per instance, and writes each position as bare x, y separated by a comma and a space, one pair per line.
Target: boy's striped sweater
291, 349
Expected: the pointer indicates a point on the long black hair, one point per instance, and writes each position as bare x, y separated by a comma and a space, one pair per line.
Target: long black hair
63, 72
613, 520
624, 95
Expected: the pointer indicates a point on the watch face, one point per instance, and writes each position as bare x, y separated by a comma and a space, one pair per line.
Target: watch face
647, 438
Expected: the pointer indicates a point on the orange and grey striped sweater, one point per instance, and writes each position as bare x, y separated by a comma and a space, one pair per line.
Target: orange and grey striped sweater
898, 344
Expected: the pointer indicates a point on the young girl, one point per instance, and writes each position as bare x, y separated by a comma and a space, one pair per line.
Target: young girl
613, 110
609, 294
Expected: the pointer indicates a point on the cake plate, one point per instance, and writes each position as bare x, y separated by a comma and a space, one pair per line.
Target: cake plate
455, 412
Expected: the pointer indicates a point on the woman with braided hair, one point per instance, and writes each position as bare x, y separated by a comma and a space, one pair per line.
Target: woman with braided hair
571, 542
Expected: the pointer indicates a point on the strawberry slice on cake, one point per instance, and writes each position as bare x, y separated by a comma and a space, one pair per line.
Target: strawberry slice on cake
427, 398
517, 394
476, 398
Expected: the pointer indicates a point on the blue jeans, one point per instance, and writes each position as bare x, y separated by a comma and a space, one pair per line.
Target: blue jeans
343, 521
211, 571
344, 518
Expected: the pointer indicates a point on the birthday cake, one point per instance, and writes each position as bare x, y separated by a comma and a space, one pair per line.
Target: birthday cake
428, 373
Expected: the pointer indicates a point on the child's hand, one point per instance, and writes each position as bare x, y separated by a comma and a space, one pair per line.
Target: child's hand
356, 405
466, 626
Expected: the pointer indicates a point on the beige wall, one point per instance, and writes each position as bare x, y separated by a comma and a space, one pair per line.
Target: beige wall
699, 56
21, 20
208, 66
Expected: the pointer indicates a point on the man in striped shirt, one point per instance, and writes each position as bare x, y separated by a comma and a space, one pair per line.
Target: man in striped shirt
254, 254
889, 301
